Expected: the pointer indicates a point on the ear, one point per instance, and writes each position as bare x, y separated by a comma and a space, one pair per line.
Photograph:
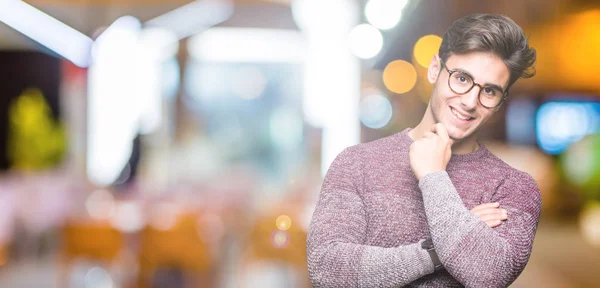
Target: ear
434, 69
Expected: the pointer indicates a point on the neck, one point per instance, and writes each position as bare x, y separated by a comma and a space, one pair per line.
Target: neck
463, 146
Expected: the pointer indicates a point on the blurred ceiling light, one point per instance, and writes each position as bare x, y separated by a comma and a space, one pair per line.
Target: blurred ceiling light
124, 30
248, 45
425, 48
194, 17
399, 76
375, 111
42, 28
112, 105
158, 43
365, 41
331, 86
384, 14
324, 17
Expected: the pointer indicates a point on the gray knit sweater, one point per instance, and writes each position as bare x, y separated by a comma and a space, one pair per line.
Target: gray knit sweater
373, 214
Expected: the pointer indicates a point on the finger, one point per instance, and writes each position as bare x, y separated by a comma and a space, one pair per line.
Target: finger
487, 211
492, 217
491, 211
428, 135
493, 223
440, 130
486, 205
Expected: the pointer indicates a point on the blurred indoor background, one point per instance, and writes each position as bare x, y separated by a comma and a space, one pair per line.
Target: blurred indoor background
155, 143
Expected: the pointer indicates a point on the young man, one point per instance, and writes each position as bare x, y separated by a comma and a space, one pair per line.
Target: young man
430, 206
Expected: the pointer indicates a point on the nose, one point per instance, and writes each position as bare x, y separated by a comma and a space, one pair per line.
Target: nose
470, 100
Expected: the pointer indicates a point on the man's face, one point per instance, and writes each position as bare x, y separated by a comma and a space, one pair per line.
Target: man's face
486, 69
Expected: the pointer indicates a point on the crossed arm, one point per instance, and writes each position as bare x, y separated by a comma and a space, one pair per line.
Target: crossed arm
471, 250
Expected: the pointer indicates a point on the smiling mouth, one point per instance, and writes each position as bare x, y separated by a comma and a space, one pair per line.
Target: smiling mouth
460, 116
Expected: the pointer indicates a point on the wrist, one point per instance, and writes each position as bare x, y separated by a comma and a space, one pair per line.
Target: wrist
428, 246
422, 175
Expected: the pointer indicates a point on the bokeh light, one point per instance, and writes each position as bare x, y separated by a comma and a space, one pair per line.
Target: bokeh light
589, 223
425, 48
375, 111
365, 41
98, 277
127, 217
100, 205
280, 239
283, 222
560, 124
384, 14
399, 76
581, 165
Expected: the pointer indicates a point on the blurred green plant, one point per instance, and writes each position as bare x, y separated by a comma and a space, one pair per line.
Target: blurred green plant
581, 166
35, 139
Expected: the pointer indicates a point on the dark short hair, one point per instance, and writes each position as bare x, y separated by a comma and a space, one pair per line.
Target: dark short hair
493, 33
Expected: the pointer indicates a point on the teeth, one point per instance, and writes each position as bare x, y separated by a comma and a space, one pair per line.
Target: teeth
460, 116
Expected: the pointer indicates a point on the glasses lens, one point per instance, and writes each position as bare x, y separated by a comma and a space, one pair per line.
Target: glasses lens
490, 96
460, 82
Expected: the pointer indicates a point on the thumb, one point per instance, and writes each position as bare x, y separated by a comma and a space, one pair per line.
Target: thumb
440, 130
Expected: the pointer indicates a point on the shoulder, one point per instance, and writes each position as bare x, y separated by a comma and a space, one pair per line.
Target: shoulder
506, 171
515, 184
354, 159
381, 146
510, 176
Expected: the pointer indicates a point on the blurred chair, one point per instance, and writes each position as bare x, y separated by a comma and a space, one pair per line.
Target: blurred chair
177, 248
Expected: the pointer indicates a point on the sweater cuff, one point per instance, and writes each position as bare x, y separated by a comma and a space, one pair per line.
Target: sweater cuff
423, 255
433, 180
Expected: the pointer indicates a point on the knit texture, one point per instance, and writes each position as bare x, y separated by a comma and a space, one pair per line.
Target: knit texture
373, 214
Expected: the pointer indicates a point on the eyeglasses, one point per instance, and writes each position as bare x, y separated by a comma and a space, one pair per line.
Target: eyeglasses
461, 83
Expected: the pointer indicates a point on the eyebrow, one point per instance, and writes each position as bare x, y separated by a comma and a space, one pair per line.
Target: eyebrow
486, 84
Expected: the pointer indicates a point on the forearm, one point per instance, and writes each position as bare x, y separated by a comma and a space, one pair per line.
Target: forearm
339, 264
473, 253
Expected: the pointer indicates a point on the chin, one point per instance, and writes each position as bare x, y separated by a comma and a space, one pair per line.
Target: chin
458, 133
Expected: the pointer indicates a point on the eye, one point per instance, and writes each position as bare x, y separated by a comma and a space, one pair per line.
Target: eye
490, 91
461, 78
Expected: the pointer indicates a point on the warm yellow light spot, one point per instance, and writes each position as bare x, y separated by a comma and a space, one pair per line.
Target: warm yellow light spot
283, 222
399, 76
589, 223
425, 48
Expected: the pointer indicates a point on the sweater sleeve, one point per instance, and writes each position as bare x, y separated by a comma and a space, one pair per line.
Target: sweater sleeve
472, 252
336, 253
